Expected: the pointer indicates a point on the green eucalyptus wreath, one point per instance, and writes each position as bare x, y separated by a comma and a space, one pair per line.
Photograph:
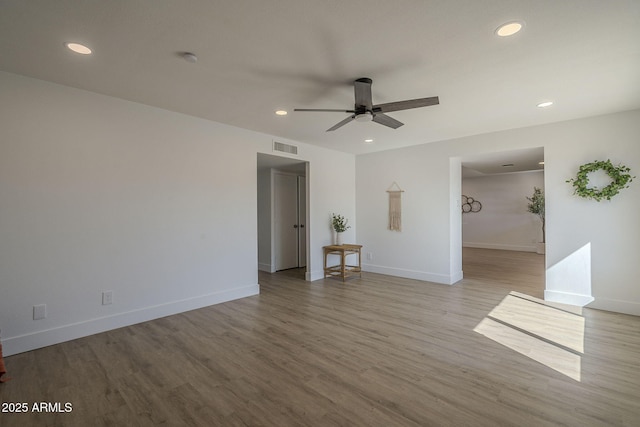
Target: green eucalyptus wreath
620, 178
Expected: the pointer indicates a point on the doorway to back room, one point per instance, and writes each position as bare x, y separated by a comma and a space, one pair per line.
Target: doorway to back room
500, 237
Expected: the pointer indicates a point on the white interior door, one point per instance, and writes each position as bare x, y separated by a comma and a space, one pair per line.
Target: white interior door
286, 221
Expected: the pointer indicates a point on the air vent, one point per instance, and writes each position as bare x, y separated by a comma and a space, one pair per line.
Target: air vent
285, 148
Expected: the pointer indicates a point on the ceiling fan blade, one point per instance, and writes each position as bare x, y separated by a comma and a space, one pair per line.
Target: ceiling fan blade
406, 105
342, 123
383, 119
362, 89
324, 109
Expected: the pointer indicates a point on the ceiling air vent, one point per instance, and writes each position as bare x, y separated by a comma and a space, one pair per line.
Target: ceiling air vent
285, 148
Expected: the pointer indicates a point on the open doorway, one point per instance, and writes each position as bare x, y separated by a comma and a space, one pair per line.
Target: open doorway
500, 237
283, 230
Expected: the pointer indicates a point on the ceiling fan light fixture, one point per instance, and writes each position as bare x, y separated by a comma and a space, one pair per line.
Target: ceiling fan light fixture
509, 29
364, 117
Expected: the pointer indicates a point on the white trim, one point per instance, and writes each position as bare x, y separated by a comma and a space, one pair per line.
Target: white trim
70, 332
263, 266
500, 246
413, 274
314, 275
618, 306
455, 278
567, 298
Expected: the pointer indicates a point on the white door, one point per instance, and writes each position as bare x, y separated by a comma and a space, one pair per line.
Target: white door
302, 215
286, 221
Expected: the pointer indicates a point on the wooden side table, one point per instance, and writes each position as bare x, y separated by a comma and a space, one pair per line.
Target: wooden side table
343, 269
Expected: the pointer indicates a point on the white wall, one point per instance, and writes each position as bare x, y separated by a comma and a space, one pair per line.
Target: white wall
609, 230
421, 249
503, 222
427, 245
331, 189
264, 221
97, 193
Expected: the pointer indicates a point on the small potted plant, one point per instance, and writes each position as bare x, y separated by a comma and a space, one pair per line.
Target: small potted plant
339, 224
536, 206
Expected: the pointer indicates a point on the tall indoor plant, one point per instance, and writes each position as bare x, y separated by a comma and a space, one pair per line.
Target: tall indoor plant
536, 206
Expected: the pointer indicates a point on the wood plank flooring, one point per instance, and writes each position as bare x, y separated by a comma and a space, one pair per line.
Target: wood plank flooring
511, 270
375, 351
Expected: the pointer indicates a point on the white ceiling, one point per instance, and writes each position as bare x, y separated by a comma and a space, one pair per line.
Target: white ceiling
501, 162
257, 56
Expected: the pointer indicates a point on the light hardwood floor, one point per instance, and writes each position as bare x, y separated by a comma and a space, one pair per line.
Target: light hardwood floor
375, 351
510, 270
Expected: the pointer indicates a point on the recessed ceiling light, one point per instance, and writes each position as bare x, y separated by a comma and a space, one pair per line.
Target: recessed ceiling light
508, 165
509, 29
541, 163
368, 141
545, 104
281, 113
78, 48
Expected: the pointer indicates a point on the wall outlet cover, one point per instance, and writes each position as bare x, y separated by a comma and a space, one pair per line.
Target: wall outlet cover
107, 297
39, 312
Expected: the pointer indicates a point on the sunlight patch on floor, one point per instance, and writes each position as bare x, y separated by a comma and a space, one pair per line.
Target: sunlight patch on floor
546, 334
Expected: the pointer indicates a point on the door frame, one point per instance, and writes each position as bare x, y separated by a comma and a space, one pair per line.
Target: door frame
266, 239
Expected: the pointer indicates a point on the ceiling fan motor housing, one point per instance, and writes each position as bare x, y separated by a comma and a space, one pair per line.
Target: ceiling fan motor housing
366, 116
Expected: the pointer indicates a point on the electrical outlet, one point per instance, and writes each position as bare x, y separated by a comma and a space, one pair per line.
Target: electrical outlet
107, 297
39, 312
369, 256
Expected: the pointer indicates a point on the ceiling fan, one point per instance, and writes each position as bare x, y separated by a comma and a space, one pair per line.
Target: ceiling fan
364, 110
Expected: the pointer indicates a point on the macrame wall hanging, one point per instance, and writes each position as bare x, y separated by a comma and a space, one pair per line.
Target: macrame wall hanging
395, 207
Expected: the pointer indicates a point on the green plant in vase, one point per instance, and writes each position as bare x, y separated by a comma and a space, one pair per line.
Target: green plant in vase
340, 225
536, 207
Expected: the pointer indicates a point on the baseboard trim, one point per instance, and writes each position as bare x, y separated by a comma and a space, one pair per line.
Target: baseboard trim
455, 278
32, 341
412, 274
314, 275
617, 306
567, 298
266, 267
519, 248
